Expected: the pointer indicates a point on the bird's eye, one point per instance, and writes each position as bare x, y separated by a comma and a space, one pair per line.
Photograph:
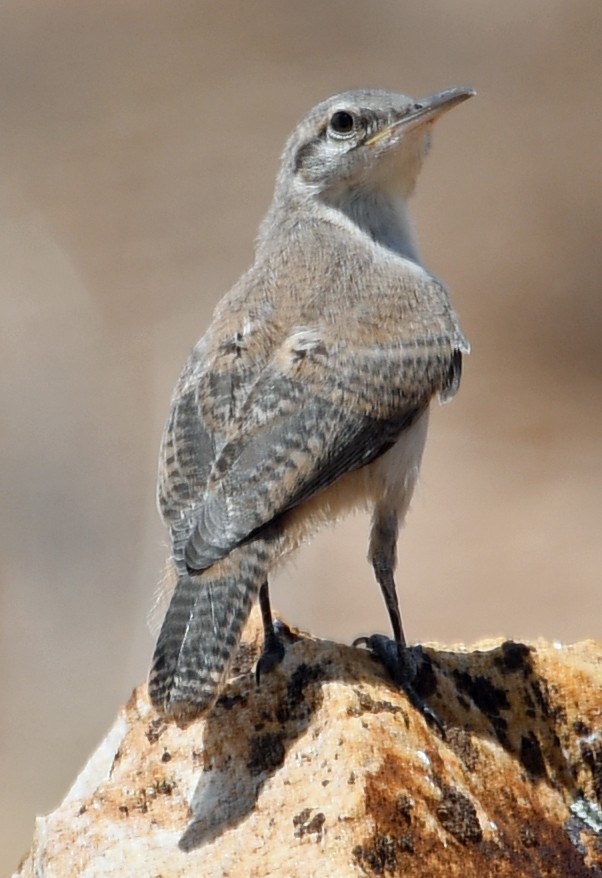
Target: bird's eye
342, 123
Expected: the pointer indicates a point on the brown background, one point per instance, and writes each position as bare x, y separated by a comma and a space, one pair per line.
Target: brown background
139, 143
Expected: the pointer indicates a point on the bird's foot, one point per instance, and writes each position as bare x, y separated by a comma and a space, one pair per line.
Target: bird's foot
403, 664
273, 650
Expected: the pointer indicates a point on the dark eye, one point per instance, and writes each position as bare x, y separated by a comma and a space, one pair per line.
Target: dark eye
342, 123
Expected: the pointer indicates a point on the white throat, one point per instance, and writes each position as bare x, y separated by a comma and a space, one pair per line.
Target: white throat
384, 217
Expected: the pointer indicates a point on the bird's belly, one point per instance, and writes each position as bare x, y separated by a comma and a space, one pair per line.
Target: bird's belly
394, 474
385, 484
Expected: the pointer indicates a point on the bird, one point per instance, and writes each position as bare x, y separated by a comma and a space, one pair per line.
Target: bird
308, 396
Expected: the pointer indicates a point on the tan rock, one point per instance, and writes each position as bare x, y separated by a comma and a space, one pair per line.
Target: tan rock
327, 770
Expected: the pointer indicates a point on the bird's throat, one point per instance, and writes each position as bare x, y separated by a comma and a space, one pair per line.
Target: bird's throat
384, 217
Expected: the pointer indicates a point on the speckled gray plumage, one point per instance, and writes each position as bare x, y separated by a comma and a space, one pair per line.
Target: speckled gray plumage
326, 352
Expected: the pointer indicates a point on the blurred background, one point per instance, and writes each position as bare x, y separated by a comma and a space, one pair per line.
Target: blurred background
138, 147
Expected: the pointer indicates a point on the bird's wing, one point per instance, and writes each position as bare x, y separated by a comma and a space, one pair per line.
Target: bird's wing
207, 399
331, 399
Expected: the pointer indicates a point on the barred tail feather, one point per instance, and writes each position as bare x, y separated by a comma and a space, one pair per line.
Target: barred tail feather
202, 628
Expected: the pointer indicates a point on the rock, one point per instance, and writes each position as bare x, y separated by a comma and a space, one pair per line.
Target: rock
327, 770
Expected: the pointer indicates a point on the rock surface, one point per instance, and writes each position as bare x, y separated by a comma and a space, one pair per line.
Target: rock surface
327, 770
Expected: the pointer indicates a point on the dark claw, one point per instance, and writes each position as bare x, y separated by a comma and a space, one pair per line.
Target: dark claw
402, 665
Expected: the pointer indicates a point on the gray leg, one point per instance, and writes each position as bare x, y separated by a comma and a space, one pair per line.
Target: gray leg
383, 552
273, 648
401, 662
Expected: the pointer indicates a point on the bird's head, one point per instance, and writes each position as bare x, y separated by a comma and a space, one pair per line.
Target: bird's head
362, 138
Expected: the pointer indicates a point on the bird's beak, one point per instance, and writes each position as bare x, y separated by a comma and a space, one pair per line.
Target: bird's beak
425, 111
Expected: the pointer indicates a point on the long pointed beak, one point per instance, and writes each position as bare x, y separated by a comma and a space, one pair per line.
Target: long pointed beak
431, 108
426, 110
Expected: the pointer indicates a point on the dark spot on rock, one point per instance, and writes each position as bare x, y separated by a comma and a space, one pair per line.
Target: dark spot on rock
405, 843
166, 757
458, 816
164, 787
529, 705
404, 805
541, 697
461, 743
488, 698
500, 726
82, 810
229, 701
531, 756
515, 657
266, 753
300, 679
592, 757
351, 778
123, 809
581, 729
378, 857
527, 836
366, 704
558, 712
302, 817
155, 729
391, 808
305, 824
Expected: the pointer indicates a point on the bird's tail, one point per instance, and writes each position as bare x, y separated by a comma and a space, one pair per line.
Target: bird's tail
202, 628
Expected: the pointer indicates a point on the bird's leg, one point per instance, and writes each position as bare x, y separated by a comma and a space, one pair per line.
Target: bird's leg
402, 662
273, 647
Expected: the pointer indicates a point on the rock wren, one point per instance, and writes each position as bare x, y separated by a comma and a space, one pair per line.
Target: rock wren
308, 396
